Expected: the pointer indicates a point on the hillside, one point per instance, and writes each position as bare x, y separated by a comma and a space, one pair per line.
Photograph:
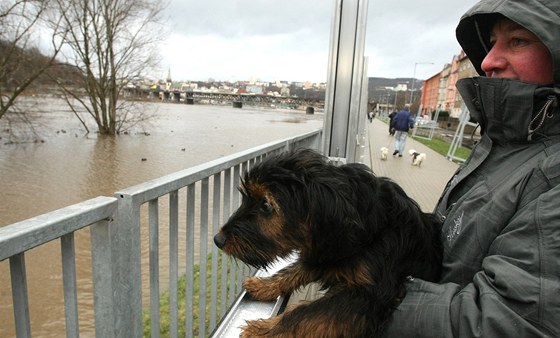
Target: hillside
17, 65
378, 93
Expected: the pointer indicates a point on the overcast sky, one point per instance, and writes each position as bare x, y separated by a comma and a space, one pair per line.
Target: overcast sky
289, 40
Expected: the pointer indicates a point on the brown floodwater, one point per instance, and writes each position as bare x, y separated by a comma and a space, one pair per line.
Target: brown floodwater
59, 164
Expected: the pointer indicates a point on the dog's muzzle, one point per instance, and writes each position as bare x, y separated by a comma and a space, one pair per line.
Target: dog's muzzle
220, 240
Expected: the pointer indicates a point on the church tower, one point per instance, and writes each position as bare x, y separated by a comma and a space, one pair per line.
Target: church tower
168, 81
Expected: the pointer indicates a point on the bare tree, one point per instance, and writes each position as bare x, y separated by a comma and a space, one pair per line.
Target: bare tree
112, 42
21, 60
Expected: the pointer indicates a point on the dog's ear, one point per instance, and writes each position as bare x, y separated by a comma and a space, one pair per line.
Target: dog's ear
334, 223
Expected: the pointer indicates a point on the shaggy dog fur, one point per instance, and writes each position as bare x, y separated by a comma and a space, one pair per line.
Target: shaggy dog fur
384, 153
417, 158
358, 235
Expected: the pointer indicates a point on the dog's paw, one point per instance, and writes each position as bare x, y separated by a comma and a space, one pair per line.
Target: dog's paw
261, 288
258, 328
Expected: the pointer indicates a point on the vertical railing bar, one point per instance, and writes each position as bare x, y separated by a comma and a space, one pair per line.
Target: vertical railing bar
248, 270
234, 285
226, 263
126, 250
68, 256
243, 271
254, 161
217, 180
240, 275
153, 220
173, 264
237, 172
19, 296
102, 275
225, 260
204, 196
189, 320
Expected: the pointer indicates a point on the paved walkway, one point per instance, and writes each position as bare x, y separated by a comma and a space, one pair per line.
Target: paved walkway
425, 183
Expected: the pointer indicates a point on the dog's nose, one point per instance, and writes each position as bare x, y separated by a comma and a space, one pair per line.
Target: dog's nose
220, 240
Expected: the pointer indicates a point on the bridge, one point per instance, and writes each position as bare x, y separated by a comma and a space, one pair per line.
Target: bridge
235, 99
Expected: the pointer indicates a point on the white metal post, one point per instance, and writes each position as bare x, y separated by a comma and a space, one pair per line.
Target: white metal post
343, 107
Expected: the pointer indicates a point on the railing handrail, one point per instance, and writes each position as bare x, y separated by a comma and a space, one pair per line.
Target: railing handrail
246, 308
20, 237
152, 189
27, 234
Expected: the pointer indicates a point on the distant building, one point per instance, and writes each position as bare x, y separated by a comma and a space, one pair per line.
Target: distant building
189, 86
451, 93
439, 91
465, 69
430, 94
443, 81
401, 87
255, 89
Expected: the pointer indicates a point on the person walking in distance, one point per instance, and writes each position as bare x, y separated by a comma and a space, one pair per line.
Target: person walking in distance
391, 129
402, 123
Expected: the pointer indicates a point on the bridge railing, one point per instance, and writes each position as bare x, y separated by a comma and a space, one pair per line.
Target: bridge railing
163, 224
18, 238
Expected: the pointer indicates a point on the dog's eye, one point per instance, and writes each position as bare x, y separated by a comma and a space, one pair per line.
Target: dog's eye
267, 207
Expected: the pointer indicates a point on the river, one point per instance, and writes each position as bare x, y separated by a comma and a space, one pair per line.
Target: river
61, 164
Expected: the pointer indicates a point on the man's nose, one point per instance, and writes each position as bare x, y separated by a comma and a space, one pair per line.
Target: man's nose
494, 62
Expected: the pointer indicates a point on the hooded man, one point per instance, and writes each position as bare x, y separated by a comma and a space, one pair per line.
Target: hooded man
500, 212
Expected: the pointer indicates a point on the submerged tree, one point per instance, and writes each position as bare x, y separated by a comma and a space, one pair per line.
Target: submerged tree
112, 42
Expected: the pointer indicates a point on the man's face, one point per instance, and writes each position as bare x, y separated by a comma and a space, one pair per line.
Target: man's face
518, 54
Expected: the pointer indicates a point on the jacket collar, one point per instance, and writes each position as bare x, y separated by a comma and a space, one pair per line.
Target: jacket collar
510, 110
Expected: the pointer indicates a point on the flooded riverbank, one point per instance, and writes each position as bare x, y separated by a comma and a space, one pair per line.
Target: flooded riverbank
70, 166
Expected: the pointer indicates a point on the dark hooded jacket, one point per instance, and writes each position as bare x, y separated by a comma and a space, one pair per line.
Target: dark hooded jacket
403, 120
501, 210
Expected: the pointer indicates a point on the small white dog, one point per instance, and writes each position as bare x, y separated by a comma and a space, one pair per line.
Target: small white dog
417, 158
384, 153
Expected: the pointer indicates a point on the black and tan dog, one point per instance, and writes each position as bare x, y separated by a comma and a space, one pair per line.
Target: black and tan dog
357, 235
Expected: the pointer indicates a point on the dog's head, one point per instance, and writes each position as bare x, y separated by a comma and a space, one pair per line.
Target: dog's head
272, 220
418, 159
296, 201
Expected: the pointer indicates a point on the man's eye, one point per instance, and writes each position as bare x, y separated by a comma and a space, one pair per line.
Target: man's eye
267, 207
517, 42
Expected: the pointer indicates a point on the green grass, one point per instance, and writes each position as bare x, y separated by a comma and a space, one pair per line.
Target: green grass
181, 300
438, 145
442, 147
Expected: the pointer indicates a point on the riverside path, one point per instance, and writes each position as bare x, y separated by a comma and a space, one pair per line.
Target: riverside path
424, 183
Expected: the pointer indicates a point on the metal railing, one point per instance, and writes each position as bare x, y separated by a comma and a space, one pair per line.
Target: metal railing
130, 239
61, 224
